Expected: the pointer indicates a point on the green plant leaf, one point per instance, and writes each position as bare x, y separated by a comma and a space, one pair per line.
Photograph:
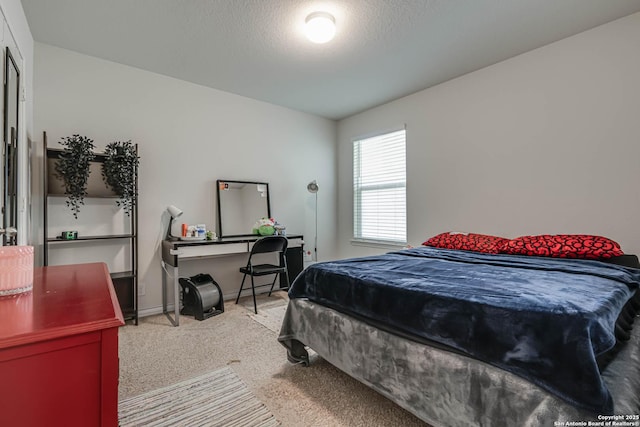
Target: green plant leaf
73, 168
119, 171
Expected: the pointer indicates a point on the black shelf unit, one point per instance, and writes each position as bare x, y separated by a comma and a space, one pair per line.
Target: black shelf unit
125, 283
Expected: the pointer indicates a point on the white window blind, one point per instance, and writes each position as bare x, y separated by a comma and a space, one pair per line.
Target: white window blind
379, 188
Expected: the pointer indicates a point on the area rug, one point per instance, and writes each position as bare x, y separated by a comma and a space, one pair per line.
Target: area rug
271, 310
271, 317
218, 398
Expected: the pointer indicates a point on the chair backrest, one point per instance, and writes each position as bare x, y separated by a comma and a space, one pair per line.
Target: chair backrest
270, 244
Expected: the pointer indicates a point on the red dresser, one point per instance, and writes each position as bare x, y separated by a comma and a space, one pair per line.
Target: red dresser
59, 350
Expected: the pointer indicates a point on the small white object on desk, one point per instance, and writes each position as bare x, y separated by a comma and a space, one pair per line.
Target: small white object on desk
192, 237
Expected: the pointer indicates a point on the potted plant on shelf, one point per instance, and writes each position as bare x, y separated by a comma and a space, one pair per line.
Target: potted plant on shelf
73, 168
119, 172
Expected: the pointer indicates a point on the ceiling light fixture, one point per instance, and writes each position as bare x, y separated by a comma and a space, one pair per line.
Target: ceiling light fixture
320, 27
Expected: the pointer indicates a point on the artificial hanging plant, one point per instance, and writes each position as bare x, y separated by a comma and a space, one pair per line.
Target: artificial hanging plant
73, 168
119, 171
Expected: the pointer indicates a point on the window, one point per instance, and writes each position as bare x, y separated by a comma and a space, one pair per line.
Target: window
379, 188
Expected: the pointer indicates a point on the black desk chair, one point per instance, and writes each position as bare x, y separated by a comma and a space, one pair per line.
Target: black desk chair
265, 245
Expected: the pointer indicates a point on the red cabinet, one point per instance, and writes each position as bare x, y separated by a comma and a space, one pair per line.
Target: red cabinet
59, 350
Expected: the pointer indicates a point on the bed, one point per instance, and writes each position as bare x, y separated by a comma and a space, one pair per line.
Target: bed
463, 338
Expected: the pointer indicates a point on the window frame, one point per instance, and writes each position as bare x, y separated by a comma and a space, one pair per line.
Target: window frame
367, 241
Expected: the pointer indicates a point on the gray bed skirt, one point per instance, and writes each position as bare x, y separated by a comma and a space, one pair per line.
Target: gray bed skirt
440, 387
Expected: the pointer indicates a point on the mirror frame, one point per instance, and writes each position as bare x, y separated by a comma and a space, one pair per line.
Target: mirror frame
220, 233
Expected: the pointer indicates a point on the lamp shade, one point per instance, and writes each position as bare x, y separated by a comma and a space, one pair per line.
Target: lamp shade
312, 187
173, 211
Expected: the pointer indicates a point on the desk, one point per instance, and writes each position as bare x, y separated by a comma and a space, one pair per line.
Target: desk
175, 251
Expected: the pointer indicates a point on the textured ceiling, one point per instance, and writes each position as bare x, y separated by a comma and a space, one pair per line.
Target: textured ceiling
383, 49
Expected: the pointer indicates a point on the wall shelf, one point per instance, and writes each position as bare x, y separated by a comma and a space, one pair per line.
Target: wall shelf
85, 238
125, 282
122, 274
62, 195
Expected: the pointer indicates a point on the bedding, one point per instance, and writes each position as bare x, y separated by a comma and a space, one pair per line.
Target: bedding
543, 319
467, 242
440, 387
563, 246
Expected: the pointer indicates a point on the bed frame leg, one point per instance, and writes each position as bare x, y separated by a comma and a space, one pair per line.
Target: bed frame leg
296, 353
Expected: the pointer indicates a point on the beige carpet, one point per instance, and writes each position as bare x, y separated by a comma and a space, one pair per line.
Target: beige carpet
155, 354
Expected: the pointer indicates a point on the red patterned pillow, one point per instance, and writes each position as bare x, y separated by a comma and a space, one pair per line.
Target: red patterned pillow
467, 242
564, 246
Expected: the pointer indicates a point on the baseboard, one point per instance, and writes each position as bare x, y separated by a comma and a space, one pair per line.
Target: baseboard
152, 311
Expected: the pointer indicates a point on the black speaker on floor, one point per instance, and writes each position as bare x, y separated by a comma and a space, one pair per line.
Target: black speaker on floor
201, 296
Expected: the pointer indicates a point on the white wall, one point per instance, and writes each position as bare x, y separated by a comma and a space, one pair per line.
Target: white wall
16, 35
546, 142
188, 137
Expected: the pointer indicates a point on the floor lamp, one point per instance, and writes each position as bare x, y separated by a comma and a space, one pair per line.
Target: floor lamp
312, 187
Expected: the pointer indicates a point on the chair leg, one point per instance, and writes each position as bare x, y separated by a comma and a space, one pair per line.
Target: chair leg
286, 274
274, 283
253, 289
238, 297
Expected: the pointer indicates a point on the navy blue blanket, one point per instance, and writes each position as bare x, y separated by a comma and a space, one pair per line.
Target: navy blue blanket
543, 319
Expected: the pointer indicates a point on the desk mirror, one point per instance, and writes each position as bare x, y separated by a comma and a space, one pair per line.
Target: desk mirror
240, 205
